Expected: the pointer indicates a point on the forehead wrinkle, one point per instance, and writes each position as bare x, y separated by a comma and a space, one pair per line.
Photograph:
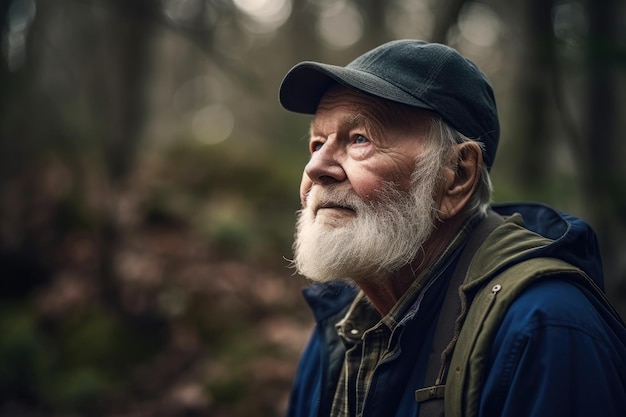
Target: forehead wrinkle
357, 119
361, 111
352, 120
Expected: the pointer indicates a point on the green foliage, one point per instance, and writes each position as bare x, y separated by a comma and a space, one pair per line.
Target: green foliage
80, 390
243, 202
22, 352
75, 365
228, 392
99, 338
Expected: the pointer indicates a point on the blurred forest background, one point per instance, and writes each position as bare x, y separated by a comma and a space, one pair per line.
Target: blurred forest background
149, 179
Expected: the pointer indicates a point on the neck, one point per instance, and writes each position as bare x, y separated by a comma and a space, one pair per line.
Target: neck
384, 292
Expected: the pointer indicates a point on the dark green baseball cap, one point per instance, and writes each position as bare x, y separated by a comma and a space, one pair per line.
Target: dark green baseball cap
428, 76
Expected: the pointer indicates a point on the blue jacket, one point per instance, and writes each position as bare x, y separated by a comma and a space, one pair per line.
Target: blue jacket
558, 352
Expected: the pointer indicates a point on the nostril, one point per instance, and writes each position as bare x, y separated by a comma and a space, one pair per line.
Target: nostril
324, 171
327, 179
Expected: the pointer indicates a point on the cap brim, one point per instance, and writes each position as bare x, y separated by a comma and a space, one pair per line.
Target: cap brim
304, 85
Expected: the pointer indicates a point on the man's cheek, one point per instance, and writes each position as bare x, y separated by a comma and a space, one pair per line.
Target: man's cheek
305, 188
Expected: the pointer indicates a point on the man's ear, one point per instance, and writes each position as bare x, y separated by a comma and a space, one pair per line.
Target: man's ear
460, 179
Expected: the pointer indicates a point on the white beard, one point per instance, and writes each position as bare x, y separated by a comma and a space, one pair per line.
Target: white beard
382, 237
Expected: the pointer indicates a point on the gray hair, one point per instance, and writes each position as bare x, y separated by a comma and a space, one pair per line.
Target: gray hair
446, 136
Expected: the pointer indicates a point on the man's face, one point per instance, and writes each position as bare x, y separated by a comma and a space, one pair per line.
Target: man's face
354, 142
365, 209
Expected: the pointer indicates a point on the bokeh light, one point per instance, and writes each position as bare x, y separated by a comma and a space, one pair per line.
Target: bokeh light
265, 15
213, 124
340, 25
479, 24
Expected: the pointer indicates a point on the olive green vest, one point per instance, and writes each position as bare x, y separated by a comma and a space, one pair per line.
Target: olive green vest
468, 365
484, 295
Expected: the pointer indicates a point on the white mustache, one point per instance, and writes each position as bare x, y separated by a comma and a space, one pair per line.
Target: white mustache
324, 197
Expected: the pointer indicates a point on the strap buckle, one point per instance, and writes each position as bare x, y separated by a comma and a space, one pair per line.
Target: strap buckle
430, 393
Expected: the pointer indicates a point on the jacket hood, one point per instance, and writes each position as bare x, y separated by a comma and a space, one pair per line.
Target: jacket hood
534, 230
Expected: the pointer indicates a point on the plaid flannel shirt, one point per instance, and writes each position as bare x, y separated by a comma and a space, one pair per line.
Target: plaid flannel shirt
367, 335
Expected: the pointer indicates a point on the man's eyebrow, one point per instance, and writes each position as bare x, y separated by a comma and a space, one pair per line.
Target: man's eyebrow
356, 120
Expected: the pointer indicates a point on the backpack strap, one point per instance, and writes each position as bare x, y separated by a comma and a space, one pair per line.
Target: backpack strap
469, 361
431, 397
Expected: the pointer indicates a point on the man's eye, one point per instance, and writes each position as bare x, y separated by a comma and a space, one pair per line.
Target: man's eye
316, 146
360, 139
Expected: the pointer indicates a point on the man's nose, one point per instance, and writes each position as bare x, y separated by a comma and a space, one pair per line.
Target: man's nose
325, 167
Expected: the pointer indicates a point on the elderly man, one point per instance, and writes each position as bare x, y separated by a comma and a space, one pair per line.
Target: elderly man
427, 298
